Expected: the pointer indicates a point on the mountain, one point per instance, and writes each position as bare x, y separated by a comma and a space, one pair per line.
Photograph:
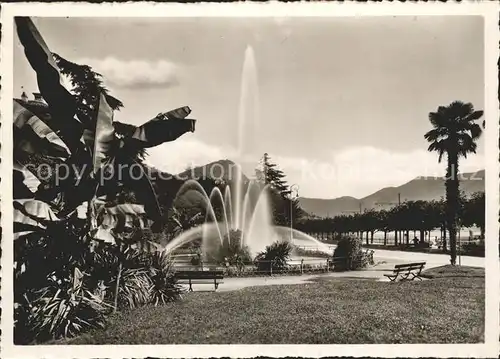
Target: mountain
420, 188
329, 207
168, 185
222, 170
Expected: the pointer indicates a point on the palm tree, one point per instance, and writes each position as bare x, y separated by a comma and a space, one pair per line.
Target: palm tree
454, 133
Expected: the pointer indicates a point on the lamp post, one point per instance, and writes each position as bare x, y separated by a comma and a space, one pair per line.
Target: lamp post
294, 193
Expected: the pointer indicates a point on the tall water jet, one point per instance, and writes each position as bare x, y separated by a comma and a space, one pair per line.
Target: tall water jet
301, 239
216, 193
246, 210
192, 184
260, 231
229, 205
188, 236
247, 115
237, 197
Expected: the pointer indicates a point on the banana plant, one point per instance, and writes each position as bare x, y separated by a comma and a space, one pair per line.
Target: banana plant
83, 154
66, 171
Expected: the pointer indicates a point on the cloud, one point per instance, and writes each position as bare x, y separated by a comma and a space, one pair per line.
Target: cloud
136, 73
174, 157
357, 171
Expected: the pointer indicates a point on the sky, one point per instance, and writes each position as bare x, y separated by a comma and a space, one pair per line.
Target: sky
340, 104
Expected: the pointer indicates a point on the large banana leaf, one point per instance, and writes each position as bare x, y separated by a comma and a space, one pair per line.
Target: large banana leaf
73, 180
181, 112
61, 103
32, 135
33, 209
25, 183
31, 215
146, 195
103, 234
81, 211
165, 127
102, 138
125, 209
122, 216
112, 221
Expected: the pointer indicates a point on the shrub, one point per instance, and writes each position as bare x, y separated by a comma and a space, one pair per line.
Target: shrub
145, 278
65, 285
275, 255
65, 310
164, 283
232, 252
134, 287
53, 292
302, 252
196, 260
348, 255
57, 307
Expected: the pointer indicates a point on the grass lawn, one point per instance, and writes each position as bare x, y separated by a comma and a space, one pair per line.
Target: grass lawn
448, 308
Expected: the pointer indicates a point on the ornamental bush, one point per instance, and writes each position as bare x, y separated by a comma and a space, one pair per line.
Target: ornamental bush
348, 255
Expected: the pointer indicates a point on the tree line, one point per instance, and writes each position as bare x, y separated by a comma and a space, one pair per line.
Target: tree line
411, 216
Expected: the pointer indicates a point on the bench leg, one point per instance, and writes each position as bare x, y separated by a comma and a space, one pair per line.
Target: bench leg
405, 276
190, 286
413, 276
216, 286
417, 276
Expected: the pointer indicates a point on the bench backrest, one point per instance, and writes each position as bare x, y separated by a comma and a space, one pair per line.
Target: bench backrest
409, 266
198, 274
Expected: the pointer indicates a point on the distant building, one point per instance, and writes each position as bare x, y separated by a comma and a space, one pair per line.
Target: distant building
37, 99
36, 105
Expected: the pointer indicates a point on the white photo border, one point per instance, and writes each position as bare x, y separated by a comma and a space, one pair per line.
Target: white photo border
490, 12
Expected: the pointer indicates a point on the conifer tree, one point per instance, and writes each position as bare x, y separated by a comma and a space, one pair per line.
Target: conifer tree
284, 207
268, 173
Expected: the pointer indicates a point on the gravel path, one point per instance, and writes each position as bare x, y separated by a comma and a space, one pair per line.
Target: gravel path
384, 259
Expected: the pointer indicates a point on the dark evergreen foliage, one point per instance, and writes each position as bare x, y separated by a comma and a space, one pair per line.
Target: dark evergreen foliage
286, 208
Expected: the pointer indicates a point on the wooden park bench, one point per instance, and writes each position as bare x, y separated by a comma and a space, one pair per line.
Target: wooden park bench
191, 277
408, 271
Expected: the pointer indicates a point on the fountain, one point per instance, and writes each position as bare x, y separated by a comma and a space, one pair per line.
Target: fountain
255, 221
245, 206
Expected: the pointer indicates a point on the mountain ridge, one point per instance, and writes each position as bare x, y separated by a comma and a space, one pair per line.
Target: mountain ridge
419, 188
